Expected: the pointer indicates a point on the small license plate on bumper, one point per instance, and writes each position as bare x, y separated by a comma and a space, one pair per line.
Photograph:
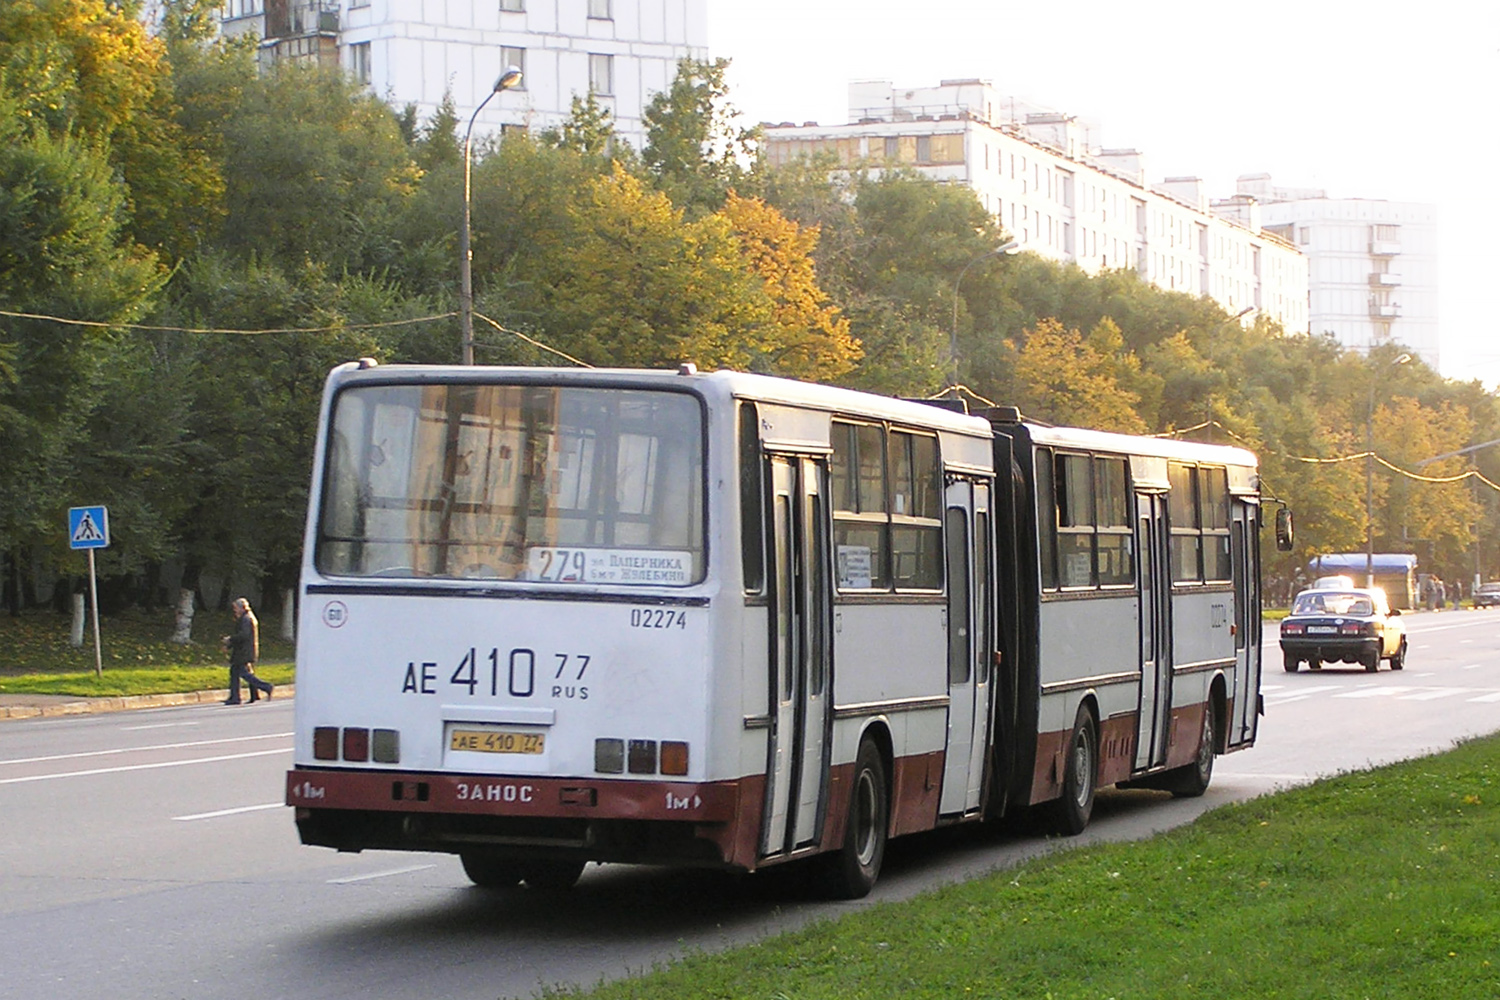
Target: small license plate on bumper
496, 741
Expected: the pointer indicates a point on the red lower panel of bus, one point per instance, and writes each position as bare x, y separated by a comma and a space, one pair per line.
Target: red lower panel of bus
1117, 739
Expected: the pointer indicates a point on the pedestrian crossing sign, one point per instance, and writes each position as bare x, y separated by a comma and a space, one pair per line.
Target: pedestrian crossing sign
88, 527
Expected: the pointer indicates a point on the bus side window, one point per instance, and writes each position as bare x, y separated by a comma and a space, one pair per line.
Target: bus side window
752, 502
916, 530
1182, 509
1046, 518
1075, 522
861, 524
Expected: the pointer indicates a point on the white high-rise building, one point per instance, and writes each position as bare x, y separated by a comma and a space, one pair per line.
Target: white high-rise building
1045, 178
1372, 264
416, 51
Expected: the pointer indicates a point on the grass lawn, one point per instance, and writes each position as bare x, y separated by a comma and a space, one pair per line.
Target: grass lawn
1381, 884
36, 657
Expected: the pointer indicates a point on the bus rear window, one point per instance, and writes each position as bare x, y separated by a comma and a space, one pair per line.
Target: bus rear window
514, 482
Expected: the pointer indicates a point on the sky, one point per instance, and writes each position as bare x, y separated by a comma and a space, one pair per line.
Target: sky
1372, 99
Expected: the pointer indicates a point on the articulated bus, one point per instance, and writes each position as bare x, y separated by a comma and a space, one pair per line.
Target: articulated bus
550, 617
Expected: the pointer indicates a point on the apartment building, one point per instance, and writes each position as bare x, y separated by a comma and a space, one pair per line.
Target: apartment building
416, 51
1372, 264
1054, 189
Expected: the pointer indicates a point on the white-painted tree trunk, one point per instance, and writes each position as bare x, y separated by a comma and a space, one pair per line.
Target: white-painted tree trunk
289, 615
80, 618
182, 635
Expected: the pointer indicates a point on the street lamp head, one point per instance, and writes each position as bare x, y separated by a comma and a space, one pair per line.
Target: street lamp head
1010, 246
509, 80
1401, 359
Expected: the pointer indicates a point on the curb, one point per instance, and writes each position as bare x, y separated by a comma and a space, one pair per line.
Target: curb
124, 703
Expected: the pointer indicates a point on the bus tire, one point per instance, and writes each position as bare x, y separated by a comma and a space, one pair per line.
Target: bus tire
552, 876
1071, 812
851, 871
1191, 780
489, 872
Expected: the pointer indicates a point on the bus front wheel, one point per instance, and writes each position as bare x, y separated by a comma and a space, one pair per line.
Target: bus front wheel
851, 871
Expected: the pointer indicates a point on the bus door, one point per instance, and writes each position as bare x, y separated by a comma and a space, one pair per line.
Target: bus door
1151, 541
969, 613
801, 609
1243, 553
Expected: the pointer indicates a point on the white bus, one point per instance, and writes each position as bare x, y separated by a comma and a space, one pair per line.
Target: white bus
558, 616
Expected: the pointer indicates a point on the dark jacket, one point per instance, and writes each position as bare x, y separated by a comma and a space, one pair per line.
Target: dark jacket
244, 642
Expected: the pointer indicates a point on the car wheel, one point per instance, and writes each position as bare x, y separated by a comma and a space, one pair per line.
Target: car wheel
1314, 664
1371, 661
1398, 658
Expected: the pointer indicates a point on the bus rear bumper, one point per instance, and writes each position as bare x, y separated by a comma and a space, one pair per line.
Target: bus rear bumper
630, 821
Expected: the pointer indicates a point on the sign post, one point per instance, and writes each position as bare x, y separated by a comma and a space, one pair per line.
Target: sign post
88, 528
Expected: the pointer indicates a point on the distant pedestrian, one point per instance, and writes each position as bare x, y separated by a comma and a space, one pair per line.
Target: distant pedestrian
243, 645
1439, 594
1458, 594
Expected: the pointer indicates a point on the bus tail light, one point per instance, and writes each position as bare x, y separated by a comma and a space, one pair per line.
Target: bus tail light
356, 744
326, 743
674, 757
609, 756
386, 747
642, 757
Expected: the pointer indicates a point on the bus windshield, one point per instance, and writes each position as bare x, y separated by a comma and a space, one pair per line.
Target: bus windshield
514, 482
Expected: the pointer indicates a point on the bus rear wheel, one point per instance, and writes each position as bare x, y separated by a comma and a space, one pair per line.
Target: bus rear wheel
1071, 812
851, 871
489, 872
552, 876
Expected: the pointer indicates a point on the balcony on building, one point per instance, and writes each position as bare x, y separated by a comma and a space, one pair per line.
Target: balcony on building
1385, 310
301, 30
1384, 279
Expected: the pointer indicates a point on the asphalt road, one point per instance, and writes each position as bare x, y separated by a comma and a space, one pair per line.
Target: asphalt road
146, 854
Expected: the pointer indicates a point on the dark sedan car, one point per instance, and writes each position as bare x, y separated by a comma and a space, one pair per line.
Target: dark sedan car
1487, 596
1356, 625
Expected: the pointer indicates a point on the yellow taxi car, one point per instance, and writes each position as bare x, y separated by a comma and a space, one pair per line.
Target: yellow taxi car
1352, 625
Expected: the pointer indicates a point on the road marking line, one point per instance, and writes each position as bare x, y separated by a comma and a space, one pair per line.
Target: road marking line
1434, 694
386, 874
1472, 666
142, 767
1487, 697
229, 812
1370, 693
159, 746
159, 725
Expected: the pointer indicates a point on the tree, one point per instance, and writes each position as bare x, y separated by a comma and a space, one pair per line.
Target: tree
695, 149
637, 284
813, 340
1061, 377
89, 68
589, 129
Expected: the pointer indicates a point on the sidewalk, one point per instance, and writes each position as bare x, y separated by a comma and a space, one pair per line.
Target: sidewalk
31, 706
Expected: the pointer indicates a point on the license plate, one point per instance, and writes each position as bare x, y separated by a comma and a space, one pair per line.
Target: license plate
1322, 629
496, 741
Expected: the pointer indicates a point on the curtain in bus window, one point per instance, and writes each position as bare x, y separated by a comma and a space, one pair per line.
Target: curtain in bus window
514, 482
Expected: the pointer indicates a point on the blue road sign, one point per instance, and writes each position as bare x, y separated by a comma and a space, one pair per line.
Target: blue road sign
88, 527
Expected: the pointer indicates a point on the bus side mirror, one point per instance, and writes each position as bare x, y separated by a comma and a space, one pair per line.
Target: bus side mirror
1284, 529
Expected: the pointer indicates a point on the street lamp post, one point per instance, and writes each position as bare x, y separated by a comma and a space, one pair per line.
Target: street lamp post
1400, 359
1010, 246
510, 78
